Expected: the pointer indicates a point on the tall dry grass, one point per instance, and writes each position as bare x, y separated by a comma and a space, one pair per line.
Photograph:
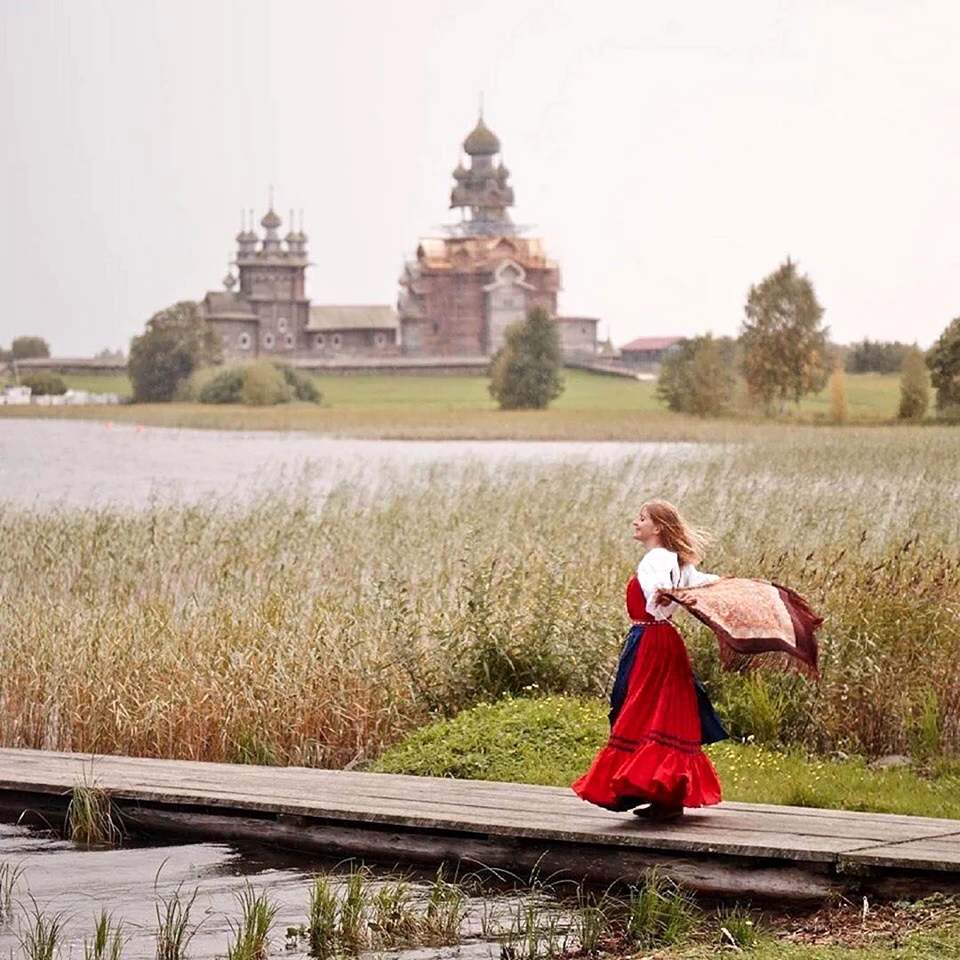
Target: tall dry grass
292, 631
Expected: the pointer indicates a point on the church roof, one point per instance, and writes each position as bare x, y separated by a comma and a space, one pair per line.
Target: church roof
226, 304
270, 220
440, 252
481, 141
352, 317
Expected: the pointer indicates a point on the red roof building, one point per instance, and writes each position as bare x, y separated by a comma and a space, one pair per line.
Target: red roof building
647, 351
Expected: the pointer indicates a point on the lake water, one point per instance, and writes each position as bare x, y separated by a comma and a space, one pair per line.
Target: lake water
44, 463
58, 880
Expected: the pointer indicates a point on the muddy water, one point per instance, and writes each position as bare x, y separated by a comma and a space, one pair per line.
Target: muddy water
59, 878
81, 463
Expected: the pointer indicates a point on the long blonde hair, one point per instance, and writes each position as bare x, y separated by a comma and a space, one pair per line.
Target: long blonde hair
688, 542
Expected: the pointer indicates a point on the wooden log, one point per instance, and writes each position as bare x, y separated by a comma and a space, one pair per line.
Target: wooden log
722, 879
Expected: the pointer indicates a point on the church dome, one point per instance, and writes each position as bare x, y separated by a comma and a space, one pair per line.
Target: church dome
481, 141
270, 220
461, 173
502, 173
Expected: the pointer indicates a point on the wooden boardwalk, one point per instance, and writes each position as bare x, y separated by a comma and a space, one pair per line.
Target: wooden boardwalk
738, 849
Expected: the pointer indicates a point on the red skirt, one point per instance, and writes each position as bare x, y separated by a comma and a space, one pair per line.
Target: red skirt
654, 753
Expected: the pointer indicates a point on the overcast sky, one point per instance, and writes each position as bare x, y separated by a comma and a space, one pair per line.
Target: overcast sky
670, 154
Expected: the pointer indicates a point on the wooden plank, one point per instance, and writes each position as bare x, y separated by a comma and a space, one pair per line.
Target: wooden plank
694, 834
936, 853
465, 812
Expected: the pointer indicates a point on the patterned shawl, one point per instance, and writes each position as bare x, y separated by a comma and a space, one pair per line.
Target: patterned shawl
754, 616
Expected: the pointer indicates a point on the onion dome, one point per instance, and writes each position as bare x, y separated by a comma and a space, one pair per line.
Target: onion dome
481, 141
502, 173
270, 220
229, 282
461, 173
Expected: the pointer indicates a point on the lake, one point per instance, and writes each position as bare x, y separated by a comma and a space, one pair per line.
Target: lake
47, 463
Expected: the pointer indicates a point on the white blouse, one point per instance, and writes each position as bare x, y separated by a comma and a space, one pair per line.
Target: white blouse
660, 570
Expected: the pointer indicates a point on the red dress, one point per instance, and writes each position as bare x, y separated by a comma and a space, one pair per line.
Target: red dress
654, 753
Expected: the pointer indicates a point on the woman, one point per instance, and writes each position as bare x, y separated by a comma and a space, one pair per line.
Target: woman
660, 716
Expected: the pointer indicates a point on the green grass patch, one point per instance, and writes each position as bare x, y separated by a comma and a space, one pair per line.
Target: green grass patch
592, 407
118, 383
552, 740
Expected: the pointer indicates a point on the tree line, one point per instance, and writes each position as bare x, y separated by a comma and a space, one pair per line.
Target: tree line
783, 355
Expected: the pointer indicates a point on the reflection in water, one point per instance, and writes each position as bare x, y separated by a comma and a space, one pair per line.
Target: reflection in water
49, 462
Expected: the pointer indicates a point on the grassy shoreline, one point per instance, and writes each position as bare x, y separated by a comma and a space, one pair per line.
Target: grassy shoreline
593, 407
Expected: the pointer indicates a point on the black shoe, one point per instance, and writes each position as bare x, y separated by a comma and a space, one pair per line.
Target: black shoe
658, 813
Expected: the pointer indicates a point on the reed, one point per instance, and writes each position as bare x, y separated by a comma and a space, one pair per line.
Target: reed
107, 941
10, 877
352, 925
90, 818
322, 919
174, 929
43, 935
660, 913
251, 933
306, 628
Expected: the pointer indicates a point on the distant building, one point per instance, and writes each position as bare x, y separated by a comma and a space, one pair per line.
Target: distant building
271, 315
647, 352
456, 298
462, 291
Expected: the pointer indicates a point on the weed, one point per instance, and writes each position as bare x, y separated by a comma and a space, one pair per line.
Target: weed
108, 939
174, 931
322, 923
9, 879
660, 913
352, 928
90, 819
250, 934
41, 938
392, 920
446, 908
739, 929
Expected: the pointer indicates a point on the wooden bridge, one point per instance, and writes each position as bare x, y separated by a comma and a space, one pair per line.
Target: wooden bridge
736, 849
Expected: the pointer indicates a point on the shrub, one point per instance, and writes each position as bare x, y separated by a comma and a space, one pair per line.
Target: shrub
264, 385
839, 405
229, 384
224, 387
546, 740
303, 386
698, 376
44, 383
914, 387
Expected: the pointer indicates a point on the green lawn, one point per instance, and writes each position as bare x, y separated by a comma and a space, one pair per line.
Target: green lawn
99, 382
583, 391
